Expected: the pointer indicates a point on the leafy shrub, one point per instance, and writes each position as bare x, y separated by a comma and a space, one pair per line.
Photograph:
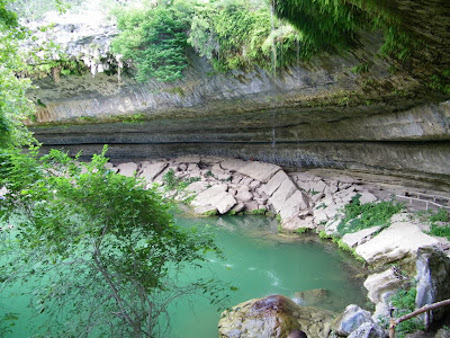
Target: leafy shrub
359, 216
404, 301
155, 40
440, 230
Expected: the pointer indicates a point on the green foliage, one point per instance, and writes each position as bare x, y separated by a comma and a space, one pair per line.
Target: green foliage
111, 245
441, 81
172, 182
155, 40
332, 25
359, 216
324, 235
14, 105
261, 211
302, 230
237, 35
437, 229
404, 301
361, 68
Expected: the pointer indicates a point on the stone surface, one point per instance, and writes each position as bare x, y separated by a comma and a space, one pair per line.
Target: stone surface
150, 170
351, 319
275, 182
273, 316
225, 204
260, 171
280, 196
433, 280
401, 239
127, 169
359, 237
368, 330
383, 284
296, 203
310, 297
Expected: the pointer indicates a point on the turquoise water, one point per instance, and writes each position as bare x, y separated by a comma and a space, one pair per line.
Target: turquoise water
258, 261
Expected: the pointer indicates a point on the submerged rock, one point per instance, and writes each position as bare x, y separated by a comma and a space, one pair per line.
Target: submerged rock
274, 316
310, 297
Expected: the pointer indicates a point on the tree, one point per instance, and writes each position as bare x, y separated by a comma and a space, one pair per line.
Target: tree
111, 245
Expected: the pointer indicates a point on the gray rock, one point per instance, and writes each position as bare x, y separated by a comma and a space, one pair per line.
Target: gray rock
197, 187
233, 165
310, 297
368, 330
367, 197
351, 319
205, 209
210, 196
433, 271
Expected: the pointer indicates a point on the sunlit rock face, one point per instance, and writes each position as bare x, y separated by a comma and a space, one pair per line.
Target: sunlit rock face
317, 114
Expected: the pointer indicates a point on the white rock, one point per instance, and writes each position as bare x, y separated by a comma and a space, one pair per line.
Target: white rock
394, 243
244, 194
367, 197
380, 284
197, 187
275, 182
150, 170
225, 204
293, 205
259, 170
210, 196
193, 167
127, 169
286, 190
360, 237
205, 209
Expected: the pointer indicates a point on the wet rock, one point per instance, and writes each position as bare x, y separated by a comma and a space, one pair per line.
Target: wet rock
400, 240
273, 316
360, 237
127, 169
310, 297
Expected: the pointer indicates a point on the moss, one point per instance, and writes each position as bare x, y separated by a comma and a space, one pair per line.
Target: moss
261, 211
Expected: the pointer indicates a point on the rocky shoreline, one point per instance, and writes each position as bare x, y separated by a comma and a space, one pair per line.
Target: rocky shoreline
398, 255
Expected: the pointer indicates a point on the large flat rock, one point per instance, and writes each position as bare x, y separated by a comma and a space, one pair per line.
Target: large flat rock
260, 171
401, 239
275, 182
127, 169
151, 170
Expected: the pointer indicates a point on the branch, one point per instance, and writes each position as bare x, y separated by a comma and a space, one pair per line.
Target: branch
425, 308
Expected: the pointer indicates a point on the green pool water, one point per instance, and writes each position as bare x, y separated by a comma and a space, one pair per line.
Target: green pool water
258, 261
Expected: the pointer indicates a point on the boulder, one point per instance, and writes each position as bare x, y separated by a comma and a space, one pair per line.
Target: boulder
368, 330
310, 297
351, 319
275, 182
279, 198
260, 171
273, 316
225, 204
233, 165
293, 205
216, 197
205, 210
433, 271
244, 194
384, 284
367, 197
360, 237
296, 222
197, 187
150, 170
401, 239
127, 169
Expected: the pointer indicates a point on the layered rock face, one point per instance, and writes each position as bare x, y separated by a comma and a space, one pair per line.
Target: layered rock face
318, 114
